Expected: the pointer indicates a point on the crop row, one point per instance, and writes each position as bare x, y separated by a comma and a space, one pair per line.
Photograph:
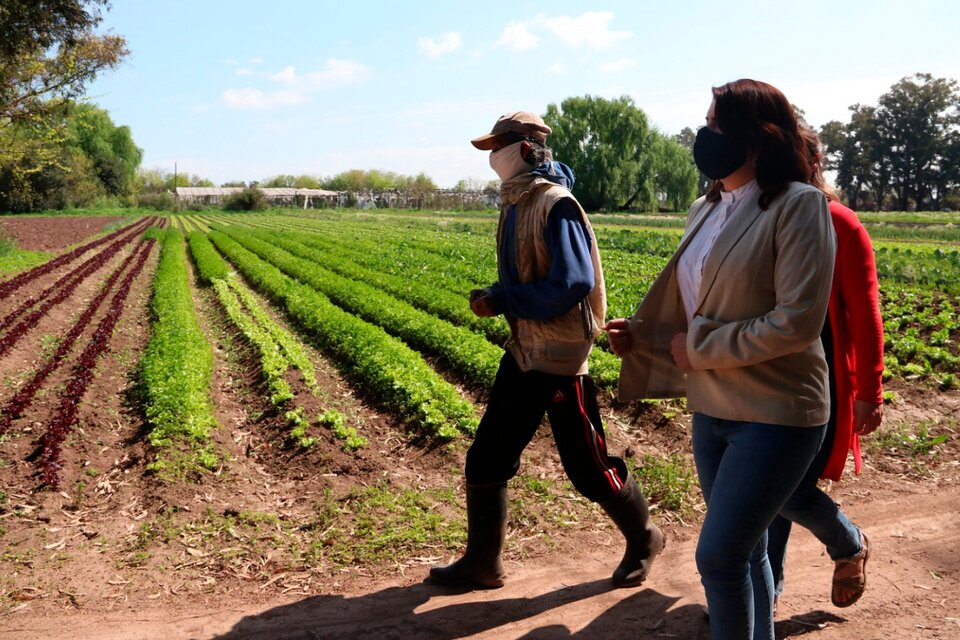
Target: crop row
467, 353
24, 396
922, 265
278, 349
7, 287
394, 376
920, 322
443, 260
51, 443
59, 291
422, 278
176, 369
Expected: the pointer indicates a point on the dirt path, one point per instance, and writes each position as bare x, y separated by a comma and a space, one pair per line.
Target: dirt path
913, 592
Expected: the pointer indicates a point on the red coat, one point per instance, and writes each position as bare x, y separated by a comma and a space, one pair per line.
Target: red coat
857, 334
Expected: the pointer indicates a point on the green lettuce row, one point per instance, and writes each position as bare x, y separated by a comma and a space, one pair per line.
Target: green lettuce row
286, 341
274, 344
466, 352
416, 286
177, 368
374, 268
272, 361
391, 373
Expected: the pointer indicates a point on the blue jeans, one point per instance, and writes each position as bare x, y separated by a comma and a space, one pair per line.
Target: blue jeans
747, 472
812, 509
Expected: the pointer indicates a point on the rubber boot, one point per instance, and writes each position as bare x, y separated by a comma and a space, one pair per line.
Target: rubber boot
630, 513
480, 565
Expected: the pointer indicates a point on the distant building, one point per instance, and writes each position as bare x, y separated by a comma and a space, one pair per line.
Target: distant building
277, 196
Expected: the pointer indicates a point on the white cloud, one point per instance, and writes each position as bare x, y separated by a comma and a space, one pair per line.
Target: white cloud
255, 61
256, 99
590, 29
298, 87
517, 36
244, 71
336, 73
618, 65
436, 47
557, 69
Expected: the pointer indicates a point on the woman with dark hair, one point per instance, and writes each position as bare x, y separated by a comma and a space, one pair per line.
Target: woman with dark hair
733, 322
853, 342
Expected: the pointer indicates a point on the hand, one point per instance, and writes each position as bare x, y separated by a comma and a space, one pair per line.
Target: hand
678, 349
866, 417
481, 304
618, 335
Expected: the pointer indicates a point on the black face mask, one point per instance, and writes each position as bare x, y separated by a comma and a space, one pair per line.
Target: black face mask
717, 155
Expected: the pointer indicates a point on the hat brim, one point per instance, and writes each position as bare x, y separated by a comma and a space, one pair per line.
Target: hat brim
487, 142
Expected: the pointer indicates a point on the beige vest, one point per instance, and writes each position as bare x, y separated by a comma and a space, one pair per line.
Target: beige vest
559, 345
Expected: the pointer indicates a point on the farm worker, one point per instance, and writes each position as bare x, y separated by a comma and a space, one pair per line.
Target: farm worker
733, 323
853, 341
551, 291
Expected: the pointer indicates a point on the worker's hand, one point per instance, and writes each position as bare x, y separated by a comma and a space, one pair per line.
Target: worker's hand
480, 303
678, 349
618, 335
866, 417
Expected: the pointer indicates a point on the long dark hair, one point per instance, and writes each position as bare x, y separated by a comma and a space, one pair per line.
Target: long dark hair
815, 151
760, 116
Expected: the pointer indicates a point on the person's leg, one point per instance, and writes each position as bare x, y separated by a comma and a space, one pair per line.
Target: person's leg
516, 407
778, 533
518, 401
747, 471
761, 580
813, 509
581, 442
602, 478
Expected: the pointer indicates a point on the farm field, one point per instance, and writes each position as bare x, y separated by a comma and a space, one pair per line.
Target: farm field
223, 425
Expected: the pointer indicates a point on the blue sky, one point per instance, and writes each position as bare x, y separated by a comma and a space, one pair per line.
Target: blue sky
245, 90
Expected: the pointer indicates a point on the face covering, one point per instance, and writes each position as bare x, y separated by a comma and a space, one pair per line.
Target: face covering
508, 163
717, 155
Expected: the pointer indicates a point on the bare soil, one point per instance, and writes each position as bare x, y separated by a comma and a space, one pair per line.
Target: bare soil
95, 559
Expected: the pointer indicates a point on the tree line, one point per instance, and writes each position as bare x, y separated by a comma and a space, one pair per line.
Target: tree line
57, 152
904, 152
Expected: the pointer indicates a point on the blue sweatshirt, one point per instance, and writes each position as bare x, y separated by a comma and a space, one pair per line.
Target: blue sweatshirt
571, 274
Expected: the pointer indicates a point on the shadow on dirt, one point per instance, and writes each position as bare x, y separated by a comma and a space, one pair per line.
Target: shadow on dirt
805, 623
392, 614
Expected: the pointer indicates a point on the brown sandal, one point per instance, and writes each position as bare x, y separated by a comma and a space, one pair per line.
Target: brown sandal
856, 581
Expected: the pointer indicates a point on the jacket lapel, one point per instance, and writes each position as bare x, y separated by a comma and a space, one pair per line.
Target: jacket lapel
728, 238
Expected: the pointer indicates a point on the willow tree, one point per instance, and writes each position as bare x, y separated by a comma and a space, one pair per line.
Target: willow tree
607, 144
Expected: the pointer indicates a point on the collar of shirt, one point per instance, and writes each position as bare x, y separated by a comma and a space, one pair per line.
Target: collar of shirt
731, 200
691, 262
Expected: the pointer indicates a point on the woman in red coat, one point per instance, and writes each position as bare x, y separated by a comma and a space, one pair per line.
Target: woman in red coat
853, 342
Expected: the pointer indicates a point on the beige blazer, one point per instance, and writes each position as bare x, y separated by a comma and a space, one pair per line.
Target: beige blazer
754, 343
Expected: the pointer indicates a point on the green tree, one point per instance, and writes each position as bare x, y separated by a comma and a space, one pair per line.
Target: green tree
351, 180
420, 187
687, 137
111, 148
919, 116
48, 54
250, 199
905, 148
293, 182
861, 157
606, 142
156, 180
674, 173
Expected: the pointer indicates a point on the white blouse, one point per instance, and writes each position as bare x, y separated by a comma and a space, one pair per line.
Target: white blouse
691, 261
